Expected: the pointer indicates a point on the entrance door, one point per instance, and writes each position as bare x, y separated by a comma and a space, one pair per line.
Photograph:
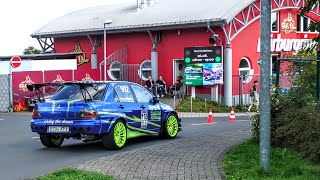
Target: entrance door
178, 68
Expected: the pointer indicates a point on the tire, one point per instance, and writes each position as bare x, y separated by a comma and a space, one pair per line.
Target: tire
51, 141
117, 137
170, 127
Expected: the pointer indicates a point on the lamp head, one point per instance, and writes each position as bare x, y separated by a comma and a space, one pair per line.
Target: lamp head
108, 21
213, 39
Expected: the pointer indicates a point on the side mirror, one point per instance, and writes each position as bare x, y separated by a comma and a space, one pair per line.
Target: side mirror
154, 100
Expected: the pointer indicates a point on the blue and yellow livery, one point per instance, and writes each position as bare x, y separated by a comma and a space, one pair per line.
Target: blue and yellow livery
109, 111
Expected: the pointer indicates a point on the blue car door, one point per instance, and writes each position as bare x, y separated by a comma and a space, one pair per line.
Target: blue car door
150, 114
125, 103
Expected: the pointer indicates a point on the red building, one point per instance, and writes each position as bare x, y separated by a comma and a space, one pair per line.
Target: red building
156, 32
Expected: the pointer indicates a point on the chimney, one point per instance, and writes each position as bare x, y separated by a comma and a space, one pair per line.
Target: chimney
151, 2
143, 4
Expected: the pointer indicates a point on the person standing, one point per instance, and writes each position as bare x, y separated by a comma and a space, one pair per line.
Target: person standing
254, 95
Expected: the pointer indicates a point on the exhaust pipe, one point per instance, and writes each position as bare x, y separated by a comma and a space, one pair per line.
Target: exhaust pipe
87, 138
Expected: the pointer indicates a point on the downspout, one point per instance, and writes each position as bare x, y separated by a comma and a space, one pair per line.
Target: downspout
154, 54
95, 45
227, 68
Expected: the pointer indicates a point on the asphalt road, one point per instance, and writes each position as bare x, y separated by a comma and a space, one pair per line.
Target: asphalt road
22, 156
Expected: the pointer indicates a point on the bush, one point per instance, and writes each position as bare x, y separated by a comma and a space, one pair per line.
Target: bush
295, 124
200, 105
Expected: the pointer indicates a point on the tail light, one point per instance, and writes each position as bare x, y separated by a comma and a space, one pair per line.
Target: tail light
88, 113
36, 114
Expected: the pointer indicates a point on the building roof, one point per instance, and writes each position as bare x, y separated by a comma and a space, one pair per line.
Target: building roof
126, 17
48, 56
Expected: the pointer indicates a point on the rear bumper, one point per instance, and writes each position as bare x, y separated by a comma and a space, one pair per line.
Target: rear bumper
84, 127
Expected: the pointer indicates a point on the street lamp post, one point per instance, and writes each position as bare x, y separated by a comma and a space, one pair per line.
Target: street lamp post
108, 21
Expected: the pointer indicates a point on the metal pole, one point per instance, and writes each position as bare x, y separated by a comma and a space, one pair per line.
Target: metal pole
205, 104
278, 70
318, 77
104, 51
240, 89
265, 28
191, 104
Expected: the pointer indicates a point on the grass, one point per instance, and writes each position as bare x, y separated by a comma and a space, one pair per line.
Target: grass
200, 105
242, 162
74, 174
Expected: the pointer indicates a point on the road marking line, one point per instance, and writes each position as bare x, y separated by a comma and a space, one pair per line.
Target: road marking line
1, 119
202, 124
242, 120
35, 137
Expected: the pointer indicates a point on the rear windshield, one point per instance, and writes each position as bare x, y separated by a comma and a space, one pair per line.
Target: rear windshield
74, 93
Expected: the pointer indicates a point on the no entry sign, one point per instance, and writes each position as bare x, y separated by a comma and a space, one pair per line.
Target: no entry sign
15, 61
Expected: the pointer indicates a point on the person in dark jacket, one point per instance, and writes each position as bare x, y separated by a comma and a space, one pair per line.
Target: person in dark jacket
149, 83
161, 85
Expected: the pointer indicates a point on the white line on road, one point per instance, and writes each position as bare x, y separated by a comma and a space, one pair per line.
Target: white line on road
35, 137
202, 124
1, 119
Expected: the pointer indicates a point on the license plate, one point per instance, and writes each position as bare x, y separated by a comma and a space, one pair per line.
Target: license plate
58, 129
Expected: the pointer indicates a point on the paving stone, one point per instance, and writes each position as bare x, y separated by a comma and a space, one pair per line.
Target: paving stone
193, 158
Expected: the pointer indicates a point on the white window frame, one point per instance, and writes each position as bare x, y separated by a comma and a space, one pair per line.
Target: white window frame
140, 73
301, 24
111, 70
278, 20
247, 69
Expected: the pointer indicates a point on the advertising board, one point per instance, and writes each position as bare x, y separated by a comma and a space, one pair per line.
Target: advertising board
204, 66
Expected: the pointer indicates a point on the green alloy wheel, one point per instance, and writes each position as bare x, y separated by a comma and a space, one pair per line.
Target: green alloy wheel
170, 129
50, 140
117, 137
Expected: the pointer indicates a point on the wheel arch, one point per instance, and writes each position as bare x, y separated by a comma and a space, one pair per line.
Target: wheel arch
122, 119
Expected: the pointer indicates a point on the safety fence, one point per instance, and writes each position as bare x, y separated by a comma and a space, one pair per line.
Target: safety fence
4, 93
241, 85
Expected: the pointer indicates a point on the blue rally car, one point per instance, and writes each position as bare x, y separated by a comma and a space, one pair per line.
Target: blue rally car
109, 111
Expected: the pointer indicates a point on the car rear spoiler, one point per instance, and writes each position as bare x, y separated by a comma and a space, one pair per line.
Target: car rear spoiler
81, 85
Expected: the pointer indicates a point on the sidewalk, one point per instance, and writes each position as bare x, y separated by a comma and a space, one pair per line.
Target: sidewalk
195, 115
192, 158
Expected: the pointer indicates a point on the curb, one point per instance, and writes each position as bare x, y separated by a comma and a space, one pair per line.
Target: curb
202, 115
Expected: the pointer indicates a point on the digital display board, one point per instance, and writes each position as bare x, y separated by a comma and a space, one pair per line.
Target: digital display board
204, 66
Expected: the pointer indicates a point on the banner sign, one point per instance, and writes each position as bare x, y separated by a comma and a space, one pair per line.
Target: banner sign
204, 66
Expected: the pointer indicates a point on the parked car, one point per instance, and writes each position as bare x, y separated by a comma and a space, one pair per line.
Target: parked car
110, 111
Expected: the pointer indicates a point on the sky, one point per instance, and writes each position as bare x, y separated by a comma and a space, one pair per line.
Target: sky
20, 18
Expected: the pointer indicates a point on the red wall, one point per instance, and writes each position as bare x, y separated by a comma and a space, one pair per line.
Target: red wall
139, 47
173, 43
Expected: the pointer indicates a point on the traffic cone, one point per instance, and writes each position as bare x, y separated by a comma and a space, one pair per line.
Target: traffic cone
232, 116
210, 117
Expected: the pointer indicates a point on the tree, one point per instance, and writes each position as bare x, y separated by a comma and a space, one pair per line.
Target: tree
31, 50
314, 26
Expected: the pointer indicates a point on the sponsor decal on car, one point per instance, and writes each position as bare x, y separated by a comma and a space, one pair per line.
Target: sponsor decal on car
50, 121
155, 115
144, 119
154, 107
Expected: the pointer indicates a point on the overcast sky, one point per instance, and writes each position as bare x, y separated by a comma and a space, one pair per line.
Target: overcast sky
20, 18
